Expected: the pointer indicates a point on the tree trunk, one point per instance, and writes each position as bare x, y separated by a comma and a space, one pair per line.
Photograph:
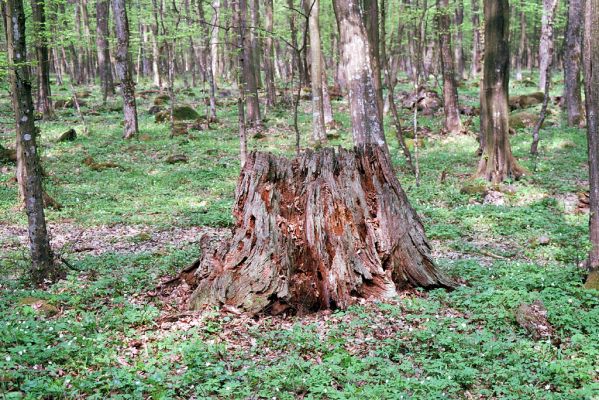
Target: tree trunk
522, 45
123, 68
323, 229
371, 24
269, 65
254, 7
452, 123
546, 43
42, 263
367, 125
102, 15
572, 96
248, 70
590, 59
497, 162
318, 128
316, 232
476, 39
458, 49
44, 102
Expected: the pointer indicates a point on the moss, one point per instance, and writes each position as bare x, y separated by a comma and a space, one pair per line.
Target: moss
522, 120
592, 281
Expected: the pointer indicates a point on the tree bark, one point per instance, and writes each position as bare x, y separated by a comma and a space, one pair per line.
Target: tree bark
546, 42
318, 127
476, 39
452, 123
522, 44
102, 15
573, 50
248, 70
590, 59
269, 65
371, 24
367, 125
42, 263
497, 162
123, 68
44, 102
458, 49
316, 232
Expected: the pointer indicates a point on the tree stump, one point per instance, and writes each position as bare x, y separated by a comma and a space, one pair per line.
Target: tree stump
316, 232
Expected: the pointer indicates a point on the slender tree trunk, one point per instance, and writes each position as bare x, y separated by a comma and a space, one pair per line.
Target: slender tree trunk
460, 68
327, 108
452, 123
255, 42
546, 43
590, 59
299, 67
214, 32
572, 60
318, 128
371, 23
44, 102
123, 68
356, 59
269, 65
249, 73
102, 15
42, 263
476, 39
497, 162
522, 45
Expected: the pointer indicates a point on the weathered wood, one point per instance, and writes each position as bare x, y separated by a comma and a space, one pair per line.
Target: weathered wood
315, 232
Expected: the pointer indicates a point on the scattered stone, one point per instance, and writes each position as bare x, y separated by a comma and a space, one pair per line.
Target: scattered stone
523, 120
94, 166
533, 318
179, 130
470, 111
155, 110
83, 94
40, 306
176, 158
259, 135
412, 142
543, 240
161, 99
333, 134
495, 198
68, 136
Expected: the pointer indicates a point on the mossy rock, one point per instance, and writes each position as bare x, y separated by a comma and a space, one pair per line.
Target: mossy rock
185, 113
83, 94
161, 99
592, 281
180, 113
411, 142
40, 306
530, 100
474, 189
523, 120
68, 136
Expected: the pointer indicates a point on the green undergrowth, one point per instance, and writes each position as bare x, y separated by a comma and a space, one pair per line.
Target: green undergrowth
99, 334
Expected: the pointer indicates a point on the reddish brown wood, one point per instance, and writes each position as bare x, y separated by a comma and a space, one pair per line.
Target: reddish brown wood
315, 232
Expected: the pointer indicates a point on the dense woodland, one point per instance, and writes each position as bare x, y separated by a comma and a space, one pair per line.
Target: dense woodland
299, 199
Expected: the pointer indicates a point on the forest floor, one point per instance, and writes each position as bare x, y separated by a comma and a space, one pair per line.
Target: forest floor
105, 332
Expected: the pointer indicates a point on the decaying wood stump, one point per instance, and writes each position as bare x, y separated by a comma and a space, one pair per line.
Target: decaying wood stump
316, 232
